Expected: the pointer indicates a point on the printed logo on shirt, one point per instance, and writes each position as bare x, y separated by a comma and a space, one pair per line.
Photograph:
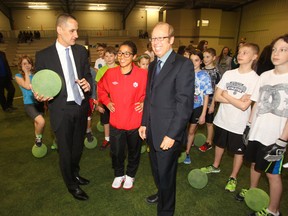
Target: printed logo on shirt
274, 99
115, 83
236, 87
135, 84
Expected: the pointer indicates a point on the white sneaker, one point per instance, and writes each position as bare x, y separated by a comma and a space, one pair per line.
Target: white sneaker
128, 184
117, 183
285, 165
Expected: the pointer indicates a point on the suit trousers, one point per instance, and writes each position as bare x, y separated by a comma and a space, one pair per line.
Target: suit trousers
70, 139
119, 139
164, 169
6, 83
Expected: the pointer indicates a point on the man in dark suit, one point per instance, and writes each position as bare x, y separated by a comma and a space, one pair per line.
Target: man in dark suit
6, 83
69, 109
167, 108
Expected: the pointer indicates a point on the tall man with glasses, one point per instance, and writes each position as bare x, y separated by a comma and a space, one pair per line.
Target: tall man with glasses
167, 108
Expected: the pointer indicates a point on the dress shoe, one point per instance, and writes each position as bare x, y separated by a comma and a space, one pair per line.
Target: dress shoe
79, 194
153, 199
82, 181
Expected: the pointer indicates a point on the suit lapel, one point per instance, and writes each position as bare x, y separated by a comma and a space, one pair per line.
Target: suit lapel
166, 69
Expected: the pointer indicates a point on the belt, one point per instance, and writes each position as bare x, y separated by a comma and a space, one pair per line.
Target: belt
71, 103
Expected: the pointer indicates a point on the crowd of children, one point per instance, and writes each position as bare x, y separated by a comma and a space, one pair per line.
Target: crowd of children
230, 97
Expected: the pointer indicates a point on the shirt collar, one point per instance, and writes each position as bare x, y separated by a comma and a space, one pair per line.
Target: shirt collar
165, 57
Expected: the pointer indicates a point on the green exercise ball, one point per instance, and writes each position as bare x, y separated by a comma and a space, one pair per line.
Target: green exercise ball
197, 179
39, 152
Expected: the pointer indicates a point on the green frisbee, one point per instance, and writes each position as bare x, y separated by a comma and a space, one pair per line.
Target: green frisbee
92, 144
143, 148
182, 157
100, 127
199, 139
197, 179
39, 152
47, 83
256, 199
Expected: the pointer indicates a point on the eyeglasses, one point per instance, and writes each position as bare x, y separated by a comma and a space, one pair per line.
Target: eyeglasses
126, 54
160, 39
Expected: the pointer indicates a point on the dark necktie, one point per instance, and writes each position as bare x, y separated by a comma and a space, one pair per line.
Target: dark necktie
76, 93
158, 67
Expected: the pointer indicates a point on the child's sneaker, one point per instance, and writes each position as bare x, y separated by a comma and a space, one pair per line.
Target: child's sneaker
241, 195
263, 212
38, 142
285, 165
105, 144
231, 184
117, 183
90, 137
128, 184
210, 169
205, 147
187, 159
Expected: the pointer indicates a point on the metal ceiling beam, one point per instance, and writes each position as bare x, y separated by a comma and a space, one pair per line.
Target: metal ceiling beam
7, 12
128, 10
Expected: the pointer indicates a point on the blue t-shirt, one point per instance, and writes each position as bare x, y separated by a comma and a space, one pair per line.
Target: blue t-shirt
203, 87
28, 97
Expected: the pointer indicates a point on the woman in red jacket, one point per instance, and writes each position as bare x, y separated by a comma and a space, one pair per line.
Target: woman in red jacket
122, 90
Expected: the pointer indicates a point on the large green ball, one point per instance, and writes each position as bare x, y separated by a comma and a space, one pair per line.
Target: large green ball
39, 152
256, 199
91, 145
199, 139
197, 178
182, 157
100, 127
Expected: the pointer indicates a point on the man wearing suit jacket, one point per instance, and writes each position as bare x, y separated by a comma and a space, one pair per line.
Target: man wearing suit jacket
68, 116
167, 108
6, 83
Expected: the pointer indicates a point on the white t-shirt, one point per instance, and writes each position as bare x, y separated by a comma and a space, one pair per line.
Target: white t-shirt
100, 62
269, 119
236, 84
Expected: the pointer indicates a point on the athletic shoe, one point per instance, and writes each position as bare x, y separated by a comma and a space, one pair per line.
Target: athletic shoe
241, 195
187, 159
285, 165
89, 136
210, 169
117, 183
205, 147
38, 142
263, 212
128, 184
231, 184
105, 144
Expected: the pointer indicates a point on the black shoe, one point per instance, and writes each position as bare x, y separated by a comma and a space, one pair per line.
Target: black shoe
153, 199
90, 137
79, 194
82, 181
38, 142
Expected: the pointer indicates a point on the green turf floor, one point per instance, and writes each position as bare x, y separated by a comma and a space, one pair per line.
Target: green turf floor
31, 186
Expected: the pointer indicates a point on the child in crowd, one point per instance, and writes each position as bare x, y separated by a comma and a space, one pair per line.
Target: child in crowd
110, 58
100, 61
224, 60
92, 106
233, 93
268, 135
209, 57
33, 108
203, 88
122, 89
150, 52
143, 61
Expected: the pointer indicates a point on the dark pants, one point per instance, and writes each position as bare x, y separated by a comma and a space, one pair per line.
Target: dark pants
164, 168
70, 139
119, 139
6, 83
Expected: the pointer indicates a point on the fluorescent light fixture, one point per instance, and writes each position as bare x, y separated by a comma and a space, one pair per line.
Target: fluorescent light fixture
151, 8
38, 5
97, 7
